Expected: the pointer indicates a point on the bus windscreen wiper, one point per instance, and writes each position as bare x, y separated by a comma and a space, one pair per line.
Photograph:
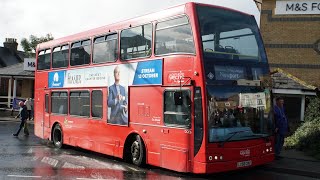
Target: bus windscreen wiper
232, 134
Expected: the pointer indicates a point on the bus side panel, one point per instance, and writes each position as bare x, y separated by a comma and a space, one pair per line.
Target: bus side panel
167, 147
146, 106
41, 83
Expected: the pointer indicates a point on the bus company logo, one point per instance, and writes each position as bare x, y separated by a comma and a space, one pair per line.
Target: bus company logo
245, 152
56, 79
56, 82
176, 77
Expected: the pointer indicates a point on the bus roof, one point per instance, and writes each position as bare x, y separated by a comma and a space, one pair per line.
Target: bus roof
162, 14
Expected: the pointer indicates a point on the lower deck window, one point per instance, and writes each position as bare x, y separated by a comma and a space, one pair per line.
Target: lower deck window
59, 102
177, 114
80, 103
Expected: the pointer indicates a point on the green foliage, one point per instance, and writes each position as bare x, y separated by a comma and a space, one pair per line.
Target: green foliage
30, 46
313, 111
306, 137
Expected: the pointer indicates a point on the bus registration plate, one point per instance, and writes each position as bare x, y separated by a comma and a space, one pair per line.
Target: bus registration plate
244, 163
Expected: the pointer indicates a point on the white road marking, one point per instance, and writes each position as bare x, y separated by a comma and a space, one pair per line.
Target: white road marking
50, 161
24, 176
92, 179
73, 166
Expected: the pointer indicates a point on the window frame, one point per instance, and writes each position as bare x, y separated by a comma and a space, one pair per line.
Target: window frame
44, 54
105, 40
68, 103
177, 113
89, 97
152, 42
169, 19
91, 94
78, 46
61, 49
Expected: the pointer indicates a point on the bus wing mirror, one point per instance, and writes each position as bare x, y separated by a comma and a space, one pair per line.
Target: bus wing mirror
178, 98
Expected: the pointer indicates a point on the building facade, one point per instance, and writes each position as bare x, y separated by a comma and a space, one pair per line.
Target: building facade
16, 74
291, 33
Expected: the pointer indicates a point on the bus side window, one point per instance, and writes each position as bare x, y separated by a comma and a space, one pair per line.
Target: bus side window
105, 48
59, 102
80, 53
44, 60
136, 42
174, 36
60, 56
177, 113
97, 104
47, 103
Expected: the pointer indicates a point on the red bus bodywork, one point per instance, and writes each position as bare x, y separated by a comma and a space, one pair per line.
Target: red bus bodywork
165, 146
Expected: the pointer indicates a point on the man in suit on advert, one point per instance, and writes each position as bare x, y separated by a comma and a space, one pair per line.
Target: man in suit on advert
117, 101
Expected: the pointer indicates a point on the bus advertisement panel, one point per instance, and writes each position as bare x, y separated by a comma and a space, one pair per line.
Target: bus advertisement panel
117, 77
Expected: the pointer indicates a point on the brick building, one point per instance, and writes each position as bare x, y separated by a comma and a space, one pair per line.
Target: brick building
291, 33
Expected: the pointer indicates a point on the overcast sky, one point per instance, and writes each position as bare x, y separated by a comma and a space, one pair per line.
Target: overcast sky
21, 18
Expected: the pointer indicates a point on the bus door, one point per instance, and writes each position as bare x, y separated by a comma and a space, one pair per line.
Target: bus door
176, 140
46, 115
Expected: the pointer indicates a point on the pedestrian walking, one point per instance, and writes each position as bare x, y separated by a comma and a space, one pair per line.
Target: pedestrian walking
23, 114
281, 125
28, 104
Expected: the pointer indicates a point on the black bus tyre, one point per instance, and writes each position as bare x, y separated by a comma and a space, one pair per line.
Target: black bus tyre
57, 136
137, 151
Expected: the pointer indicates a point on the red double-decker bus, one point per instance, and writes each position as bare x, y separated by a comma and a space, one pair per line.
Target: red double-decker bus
186, 89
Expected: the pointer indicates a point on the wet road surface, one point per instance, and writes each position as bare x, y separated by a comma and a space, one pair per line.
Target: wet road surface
28, 157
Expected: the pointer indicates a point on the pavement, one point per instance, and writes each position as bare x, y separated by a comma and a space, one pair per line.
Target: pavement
295, 162
291, 161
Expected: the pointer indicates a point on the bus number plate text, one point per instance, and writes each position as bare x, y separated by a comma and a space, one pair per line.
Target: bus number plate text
244, 163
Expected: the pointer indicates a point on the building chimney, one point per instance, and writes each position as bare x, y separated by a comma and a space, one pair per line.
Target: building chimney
11, 43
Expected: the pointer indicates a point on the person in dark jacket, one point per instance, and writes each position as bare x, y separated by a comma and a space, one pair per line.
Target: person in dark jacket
23, 114
281, 125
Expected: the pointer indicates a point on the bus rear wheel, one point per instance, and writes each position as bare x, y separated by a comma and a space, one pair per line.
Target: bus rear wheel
137, 151
57, 136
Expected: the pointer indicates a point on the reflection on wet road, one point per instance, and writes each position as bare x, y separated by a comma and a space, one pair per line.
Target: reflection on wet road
32, 158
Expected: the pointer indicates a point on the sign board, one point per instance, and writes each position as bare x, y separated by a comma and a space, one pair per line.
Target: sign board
297, 7
29, 64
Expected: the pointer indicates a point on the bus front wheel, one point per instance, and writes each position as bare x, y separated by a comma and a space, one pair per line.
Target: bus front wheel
57, 136
137, 151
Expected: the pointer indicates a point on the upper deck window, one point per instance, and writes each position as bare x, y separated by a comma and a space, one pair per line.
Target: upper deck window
80, 53
60, 56
136, 42
105, 48
174, 36
44, 59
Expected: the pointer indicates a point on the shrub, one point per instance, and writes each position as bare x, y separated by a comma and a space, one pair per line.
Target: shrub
306, 137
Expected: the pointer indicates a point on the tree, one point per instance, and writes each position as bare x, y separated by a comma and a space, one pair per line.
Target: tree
29, 46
